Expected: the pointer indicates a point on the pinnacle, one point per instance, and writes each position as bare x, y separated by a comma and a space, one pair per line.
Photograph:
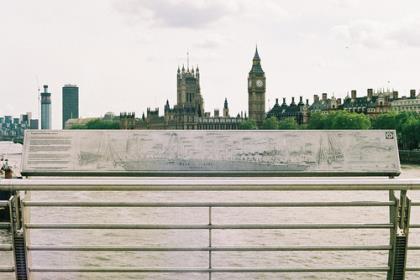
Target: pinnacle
256, 56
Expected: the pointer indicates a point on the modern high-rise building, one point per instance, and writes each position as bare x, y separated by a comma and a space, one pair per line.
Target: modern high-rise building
70, 103
46, 109
256, 91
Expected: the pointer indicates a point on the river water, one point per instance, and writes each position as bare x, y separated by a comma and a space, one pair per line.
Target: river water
220, 237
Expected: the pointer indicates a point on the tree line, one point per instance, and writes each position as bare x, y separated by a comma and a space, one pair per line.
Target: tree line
99, 124
406, 124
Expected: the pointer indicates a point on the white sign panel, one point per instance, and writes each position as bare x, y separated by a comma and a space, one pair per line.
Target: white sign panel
212, 153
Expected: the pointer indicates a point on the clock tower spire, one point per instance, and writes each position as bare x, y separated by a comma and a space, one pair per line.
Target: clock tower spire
256, 90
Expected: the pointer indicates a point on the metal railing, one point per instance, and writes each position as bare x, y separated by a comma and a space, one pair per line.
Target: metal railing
398, 226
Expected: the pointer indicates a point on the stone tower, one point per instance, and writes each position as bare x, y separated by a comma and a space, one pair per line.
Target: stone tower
256, 91
226, 109
188, 91
46, 109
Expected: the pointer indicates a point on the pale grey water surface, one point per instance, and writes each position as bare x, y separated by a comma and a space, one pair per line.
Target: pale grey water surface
220, 237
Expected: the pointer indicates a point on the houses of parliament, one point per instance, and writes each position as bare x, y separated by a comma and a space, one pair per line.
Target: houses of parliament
189, 112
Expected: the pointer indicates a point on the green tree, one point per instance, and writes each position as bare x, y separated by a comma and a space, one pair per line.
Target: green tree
288, 123
248, 124
347, 120
78, 126
317, 121
102, 124
339, 120
270, 123
410, 133
385, 121
406, 127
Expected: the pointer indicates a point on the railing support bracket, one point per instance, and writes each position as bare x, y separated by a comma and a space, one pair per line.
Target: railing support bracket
400, 217
19, 245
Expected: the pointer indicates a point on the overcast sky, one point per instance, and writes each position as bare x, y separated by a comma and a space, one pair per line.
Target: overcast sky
123, 54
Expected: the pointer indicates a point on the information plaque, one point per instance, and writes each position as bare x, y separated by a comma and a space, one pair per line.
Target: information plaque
210, 153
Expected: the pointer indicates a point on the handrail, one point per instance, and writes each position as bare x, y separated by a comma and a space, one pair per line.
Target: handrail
206, 204
202, 226
206, 270
7, 269
206, 249
209, 184
213, 184
6, 247
4, 225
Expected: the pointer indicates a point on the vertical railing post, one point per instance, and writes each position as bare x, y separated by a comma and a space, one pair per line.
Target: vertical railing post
18, 235
400, 217
210, 244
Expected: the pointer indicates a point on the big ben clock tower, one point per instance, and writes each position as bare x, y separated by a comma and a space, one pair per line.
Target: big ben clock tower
256, 91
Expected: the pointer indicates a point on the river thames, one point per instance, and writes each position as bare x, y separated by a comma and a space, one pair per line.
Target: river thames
199, 238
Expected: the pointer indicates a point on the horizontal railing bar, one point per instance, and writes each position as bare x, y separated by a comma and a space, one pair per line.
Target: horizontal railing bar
413, 248
6, 247
7, 269
415, 226
206, 249
412, 269
213, 184
205, 270
4, 225
218, 188
4, 203
205, 204
200, 226
417, 203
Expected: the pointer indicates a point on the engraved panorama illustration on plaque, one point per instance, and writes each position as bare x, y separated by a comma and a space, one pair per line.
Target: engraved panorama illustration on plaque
175, 151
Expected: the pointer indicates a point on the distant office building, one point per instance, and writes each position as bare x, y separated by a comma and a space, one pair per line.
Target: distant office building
34, 124
376, 102
46, 109
298, 111
70, 103
12, 129
325, 104
404, 104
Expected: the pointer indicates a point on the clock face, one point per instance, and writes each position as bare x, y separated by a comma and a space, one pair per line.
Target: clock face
260, 83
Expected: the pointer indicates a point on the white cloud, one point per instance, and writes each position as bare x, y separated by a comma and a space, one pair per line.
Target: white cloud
195, 14
408, 33
270, 10
176, 13
212, 41
379, 34
346, 4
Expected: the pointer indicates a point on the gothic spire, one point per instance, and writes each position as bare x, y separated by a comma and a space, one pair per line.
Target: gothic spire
256, 64
256, 56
